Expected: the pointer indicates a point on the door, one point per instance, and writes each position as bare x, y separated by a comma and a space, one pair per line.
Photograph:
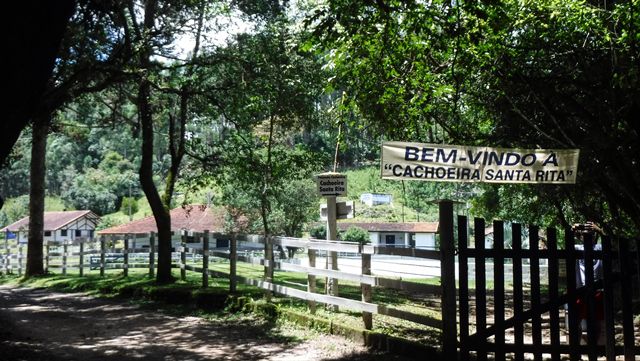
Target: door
390, 240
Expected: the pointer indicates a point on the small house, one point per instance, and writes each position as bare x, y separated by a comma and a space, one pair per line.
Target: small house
374, 199
58, 227
386, 234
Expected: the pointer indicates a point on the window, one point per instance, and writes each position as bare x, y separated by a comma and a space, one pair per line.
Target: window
78, 233
63, 232
47, 233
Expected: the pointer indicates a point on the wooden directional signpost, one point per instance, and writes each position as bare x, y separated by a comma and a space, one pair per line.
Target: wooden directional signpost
332, 185
344, 210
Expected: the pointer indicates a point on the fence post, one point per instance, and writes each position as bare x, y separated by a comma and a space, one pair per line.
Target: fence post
498, 288
125, 252
233, 263
463, 285
574, 322
311, 280
152, 254
367, 317
268, 265
448, 279
518, 294
554, 317
5, 262
46, 256
183, 256
65, 248
609, 304
103, 246
19, 260
628, 333
205, 259
9, 266
81, 260
534, 270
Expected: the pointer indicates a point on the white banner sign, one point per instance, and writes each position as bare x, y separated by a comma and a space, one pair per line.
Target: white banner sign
455, 163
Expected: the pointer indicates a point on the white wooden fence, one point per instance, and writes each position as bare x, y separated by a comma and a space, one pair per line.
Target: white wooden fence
194, 254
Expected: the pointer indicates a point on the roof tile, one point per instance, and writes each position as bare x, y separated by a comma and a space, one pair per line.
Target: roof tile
52, 220
193, 217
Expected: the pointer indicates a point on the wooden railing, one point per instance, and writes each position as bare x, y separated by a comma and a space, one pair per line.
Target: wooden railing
127, 252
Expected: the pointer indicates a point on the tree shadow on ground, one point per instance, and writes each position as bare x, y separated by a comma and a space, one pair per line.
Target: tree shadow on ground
40, 325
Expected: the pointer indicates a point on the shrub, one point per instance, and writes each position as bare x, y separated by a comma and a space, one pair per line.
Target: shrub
356, 235
319, 232
129, 202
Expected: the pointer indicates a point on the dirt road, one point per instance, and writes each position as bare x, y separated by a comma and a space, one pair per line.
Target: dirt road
38, 324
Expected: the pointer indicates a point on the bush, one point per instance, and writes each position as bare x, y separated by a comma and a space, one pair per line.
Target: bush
318, 232
129, 202
356, 235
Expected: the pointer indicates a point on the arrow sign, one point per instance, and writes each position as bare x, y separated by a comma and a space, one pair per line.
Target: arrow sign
344, 210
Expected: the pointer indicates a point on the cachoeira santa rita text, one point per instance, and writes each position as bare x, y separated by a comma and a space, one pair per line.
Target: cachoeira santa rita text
478, 164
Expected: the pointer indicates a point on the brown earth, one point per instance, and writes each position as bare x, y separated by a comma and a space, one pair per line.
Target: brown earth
39, 324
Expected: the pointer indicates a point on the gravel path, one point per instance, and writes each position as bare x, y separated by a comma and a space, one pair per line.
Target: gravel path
39, 324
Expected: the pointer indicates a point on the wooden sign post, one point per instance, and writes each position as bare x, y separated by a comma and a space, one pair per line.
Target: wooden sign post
332, 185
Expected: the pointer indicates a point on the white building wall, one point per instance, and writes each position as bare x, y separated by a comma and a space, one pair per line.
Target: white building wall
79, 229
426, 240
375, 238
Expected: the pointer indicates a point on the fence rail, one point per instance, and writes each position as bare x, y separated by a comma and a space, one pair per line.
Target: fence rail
125, 252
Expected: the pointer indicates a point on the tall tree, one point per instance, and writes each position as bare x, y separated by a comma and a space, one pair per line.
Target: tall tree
36, 196
151, 38
554, 74
85, 64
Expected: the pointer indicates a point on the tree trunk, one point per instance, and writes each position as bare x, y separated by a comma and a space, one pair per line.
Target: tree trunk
145, 116
160, 213
36, 197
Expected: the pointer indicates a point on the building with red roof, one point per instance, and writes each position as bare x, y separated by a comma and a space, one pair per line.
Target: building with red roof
389, 234
58, 226
194, 218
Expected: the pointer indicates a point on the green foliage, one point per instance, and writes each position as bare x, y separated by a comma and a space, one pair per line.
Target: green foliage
356, 235
15, 209
102, 189
14, 178
288, 193
129, 206
118, 218
296, 205
318, 232
419, 198
534, 74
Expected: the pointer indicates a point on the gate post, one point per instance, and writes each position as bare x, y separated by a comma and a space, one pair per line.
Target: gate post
233, 262
183, 256
103, 247
205, 259
152, 255
448, 279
